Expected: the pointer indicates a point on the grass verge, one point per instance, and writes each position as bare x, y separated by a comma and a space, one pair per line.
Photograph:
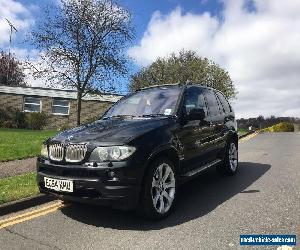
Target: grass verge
21, 143
18, 187
242, 131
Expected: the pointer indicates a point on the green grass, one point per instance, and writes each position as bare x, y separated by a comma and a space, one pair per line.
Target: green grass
21, 143
18, 187
242, 131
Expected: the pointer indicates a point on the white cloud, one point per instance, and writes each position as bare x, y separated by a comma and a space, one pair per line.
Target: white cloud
21, 16
32, 55
18, 14
259, 48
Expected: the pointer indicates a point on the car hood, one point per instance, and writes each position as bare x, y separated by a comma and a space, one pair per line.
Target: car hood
111, 131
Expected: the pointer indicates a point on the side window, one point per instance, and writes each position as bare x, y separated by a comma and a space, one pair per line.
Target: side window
212, 102
224, 102
194, 99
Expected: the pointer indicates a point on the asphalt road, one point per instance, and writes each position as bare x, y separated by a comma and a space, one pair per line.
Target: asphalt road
212, 211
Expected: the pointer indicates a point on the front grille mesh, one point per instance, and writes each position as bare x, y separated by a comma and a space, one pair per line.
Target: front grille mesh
75, 152
56, 152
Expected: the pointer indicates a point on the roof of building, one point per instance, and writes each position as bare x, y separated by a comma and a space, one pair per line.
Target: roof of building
57, 93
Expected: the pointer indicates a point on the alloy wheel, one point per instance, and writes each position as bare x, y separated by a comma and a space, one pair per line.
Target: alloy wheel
233, 157
163, 188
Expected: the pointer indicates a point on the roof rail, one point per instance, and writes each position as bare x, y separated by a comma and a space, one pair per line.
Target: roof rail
176, 84
160, 85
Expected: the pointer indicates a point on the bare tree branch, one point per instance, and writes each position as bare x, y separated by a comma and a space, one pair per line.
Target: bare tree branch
83, 44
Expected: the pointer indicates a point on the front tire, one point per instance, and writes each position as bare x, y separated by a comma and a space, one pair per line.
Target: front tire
159, 191
230, 161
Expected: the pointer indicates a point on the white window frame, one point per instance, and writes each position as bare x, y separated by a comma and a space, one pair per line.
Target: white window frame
60, 106
30, 111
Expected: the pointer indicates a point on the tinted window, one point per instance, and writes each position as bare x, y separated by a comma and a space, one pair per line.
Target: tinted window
212, 102
224, 102
194, 99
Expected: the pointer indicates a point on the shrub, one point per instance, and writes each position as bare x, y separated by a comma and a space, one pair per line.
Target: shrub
281, 127
90, 120
19, 118
12, 118
64, 127
36, 121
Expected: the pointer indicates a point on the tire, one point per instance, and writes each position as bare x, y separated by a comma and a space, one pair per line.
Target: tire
159, 191
230, 161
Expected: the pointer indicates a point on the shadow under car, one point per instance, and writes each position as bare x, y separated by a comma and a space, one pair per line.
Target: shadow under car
195, 199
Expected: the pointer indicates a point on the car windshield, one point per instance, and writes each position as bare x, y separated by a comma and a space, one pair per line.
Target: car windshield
148, 102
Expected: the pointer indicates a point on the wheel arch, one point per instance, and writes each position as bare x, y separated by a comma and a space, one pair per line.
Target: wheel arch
167, 151
233, 136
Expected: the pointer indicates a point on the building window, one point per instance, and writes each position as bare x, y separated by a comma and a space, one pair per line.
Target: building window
60, 107
32, 104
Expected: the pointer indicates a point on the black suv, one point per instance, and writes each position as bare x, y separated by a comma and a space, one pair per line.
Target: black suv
137, 154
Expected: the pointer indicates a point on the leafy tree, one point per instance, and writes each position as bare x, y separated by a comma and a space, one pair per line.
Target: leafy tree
83, 44
11, 71
183, 68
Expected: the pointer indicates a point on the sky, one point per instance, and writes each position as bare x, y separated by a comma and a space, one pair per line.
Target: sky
256, 41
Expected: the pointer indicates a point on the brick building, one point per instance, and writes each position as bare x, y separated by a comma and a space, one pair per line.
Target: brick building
59, 105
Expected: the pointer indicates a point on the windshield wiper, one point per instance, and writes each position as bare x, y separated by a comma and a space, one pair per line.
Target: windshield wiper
153, 115
118, 116
133, 116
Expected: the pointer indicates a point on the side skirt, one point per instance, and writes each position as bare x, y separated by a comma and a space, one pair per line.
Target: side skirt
196, 171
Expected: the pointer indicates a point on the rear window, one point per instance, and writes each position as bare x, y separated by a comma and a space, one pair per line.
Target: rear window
224, 102
212, 102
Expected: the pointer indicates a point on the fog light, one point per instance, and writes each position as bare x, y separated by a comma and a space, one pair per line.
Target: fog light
113, 176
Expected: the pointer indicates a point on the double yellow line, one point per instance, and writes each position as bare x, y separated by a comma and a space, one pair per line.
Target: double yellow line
31, 215
57, 205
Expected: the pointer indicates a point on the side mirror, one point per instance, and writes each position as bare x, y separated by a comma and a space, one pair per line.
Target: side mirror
196, 114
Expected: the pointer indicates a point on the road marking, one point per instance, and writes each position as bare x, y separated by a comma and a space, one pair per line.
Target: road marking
58, 205
31, 215
249, 137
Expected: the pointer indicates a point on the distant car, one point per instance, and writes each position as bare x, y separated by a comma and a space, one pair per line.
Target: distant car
137, 154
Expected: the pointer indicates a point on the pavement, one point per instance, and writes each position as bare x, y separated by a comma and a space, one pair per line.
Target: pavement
212, 211
17, 167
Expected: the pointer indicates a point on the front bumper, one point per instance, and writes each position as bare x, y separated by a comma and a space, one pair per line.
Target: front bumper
117, 185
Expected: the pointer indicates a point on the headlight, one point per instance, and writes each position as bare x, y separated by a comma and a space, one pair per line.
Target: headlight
114, 153
44, 151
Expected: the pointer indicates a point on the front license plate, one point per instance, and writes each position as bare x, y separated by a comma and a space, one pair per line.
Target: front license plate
59, 185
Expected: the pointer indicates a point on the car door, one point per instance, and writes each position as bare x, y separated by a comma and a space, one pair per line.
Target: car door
217, 121
195, 136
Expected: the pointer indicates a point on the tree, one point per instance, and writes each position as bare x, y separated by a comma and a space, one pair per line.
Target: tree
82, 44
11, 71
183, 68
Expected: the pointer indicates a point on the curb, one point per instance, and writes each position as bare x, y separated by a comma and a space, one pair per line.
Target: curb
15, 206
18, 205
244, 135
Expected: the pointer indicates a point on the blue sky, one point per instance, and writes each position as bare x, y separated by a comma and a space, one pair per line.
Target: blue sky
257, 41
142, 12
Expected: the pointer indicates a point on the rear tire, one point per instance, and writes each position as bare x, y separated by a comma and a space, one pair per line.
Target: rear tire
230, 161
159, 190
